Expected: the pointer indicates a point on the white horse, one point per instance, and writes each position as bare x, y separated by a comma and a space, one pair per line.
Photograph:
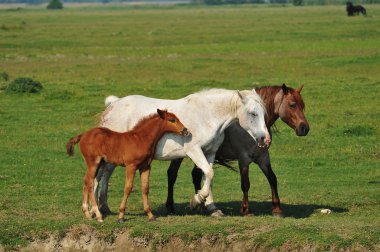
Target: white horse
206, 114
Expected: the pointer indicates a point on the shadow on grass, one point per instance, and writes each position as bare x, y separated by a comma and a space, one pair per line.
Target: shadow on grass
263, 208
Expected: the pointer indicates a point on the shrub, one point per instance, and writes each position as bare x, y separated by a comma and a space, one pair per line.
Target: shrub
24, 85
55, 5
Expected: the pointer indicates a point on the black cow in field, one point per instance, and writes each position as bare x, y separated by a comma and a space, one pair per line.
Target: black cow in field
355, 9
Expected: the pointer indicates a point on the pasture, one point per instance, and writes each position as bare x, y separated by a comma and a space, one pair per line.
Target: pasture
83, 54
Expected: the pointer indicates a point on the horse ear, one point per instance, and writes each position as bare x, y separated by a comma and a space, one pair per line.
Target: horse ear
284, 88
300, 88
240, 96
161, 113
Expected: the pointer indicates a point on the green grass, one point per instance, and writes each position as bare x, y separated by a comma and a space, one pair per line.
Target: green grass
81, 55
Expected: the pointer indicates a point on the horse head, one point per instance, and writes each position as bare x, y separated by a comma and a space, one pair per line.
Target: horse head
290, 108
251, 115
172, 123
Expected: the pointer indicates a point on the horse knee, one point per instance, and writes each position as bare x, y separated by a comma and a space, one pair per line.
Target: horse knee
209, 173
128, 189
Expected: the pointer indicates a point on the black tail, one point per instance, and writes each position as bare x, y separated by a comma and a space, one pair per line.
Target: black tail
70, 144
225, 163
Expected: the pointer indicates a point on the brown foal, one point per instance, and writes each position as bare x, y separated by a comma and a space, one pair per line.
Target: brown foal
134, 149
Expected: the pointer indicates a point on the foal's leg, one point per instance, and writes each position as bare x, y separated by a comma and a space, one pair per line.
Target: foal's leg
265, 166
130, 172
144, 177
86, 189
92, 165
172, 177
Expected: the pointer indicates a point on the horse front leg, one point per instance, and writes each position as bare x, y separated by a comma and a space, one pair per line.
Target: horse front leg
245, 185
172, 177
144, 177
200, 160
265, 166
197, 175
130, 172
209, 207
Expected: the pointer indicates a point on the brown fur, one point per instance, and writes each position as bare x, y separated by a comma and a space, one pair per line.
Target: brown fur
134, 149
294, 117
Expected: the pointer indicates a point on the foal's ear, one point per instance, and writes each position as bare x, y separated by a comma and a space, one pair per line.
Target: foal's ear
300, 88
284, 88
161, 113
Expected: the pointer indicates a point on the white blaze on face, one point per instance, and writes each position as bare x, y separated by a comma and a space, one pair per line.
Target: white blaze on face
252, 118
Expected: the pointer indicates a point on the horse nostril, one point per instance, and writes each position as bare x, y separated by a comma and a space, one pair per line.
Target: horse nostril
303, 129
185, 132
262, 139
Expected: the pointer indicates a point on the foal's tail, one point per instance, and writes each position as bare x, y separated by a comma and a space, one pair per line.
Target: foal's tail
70, 144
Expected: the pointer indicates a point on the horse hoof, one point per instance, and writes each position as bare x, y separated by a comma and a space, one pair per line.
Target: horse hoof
278, 215
105, 210
152, 219
248, 214
121, 221
195, 202
217, 213
100, 220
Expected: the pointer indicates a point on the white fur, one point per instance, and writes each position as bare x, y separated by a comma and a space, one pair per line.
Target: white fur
110, 99
206, 114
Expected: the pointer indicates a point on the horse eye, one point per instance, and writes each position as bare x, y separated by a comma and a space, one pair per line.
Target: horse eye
293, 105
172, 120
254, 114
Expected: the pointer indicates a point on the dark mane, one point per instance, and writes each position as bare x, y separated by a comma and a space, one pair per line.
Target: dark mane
267, 94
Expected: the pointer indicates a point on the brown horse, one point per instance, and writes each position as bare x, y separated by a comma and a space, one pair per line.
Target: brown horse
134, 149
280, 102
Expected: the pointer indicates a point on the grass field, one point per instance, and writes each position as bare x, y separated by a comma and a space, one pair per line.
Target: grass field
81, 55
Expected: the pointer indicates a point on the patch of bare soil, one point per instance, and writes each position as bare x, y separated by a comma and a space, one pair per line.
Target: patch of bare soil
85, 238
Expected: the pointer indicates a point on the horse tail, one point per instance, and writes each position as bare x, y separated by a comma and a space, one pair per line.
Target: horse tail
225, 163
70, 144
110, 99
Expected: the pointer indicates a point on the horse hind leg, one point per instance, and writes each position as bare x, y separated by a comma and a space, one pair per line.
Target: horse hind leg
172, 174
92, 165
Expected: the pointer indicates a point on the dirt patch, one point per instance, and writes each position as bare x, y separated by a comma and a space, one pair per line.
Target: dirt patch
86, 238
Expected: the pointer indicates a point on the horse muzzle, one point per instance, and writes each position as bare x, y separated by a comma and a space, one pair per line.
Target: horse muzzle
302, 129
264, 141
185, 132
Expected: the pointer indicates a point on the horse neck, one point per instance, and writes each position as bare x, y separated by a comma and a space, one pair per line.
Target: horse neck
268, 95
227, 111
151, 129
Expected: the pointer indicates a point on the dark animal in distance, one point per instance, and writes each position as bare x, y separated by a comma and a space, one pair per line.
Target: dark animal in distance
355, 10
134, 149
